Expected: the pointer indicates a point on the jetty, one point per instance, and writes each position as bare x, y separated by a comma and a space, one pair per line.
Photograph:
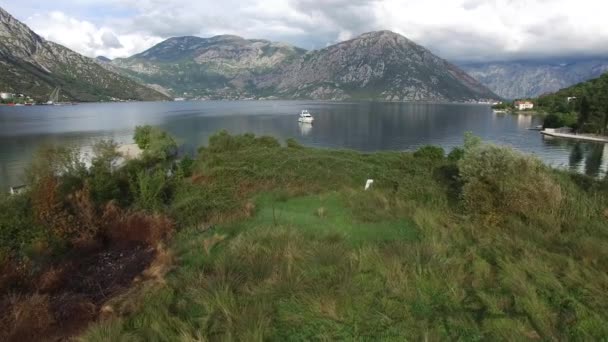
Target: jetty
567, 134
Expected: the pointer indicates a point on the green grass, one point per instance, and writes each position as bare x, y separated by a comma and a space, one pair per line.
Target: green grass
327, 216
319, 258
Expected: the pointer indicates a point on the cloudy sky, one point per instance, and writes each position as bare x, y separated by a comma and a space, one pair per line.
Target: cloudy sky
459, 30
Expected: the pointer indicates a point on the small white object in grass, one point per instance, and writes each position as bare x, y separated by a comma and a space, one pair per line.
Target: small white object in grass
368, 184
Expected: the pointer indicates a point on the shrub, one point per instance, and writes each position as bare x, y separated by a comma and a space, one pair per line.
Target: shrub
132, 226
560, 120
62, 163
499, 181
267, 141
456, 154
293, 143
223, 142
142, 136
104, 183
430, 152
156, 143
192, 205
150, 189
29, 316
185, 166
17, 226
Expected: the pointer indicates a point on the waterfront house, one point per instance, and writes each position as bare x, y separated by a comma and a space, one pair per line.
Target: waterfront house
523, 105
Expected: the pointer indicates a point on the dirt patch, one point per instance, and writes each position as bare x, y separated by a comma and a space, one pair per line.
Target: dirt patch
64, 298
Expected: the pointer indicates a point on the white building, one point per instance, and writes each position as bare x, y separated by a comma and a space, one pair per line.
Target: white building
6, 96
522, 105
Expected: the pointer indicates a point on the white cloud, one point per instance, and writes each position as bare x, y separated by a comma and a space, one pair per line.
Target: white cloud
87, 38
455, 29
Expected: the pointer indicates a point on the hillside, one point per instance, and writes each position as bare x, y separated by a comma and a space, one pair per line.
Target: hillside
378, 65
589, 100
258, 241
524, 79
34, 66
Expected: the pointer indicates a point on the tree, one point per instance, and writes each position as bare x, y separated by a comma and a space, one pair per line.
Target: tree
584, 111
142, 136
156, 143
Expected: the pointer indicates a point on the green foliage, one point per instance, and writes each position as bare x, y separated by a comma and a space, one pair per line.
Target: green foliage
558, 120
104, 184
64, 163
223, 142
471, 141
456, 154
503, 106
500, 182
293, 143
142, 136
150, 189
282, 243
185, 166
157, 145
590, 104
430, 152
18, 230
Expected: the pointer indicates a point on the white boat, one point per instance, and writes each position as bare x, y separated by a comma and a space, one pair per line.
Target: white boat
305, 117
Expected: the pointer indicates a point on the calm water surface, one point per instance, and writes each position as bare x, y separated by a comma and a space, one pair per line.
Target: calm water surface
361, 126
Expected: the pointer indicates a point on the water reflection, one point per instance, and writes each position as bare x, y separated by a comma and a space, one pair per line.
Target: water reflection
593, 160
576, 157
305, 128
524, 121
364, 126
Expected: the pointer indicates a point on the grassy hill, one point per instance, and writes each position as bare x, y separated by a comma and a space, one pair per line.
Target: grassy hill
282, 243
588, 103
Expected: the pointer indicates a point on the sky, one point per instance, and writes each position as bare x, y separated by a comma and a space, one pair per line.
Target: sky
458, 30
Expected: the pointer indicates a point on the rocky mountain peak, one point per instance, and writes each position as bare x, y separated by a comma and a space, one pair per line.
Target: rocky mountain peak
31, 65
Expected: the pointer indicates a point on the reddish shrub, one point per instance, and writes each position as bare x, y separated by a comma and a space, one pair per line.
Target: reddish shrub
51, 280
121, 226
13, 275
27, 318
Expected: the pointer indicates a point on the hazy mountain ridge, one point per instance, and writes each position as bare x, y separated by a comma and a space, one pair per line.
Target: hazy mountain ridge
34, 66
377, 65
521, 79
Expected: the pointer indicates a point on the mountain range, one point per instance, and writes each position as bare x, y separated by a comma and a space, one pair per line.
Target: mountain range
378, 65
526, 79
34, 66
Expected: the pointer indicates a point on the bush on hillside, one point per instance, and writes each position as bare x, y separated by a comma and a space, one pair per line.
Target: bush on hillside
223, 142
104, 183
293, 143
150, 190
498, 181
456, 154
560, 120
142, 136
430, 152
122, 226
155, 143
62, 164
185, 167
17, 226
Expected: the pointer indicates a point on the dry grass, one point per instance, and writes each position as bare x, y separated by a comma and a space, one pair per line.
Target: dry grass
28, 317
51, 280
160, 266
128, 226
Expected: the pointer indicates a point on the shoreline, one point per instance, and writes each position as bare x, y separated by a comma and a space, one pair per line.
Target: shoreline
582, 137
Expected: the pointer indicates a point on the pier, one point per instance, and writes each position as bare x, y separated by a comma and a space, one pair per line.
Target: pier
557, 133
